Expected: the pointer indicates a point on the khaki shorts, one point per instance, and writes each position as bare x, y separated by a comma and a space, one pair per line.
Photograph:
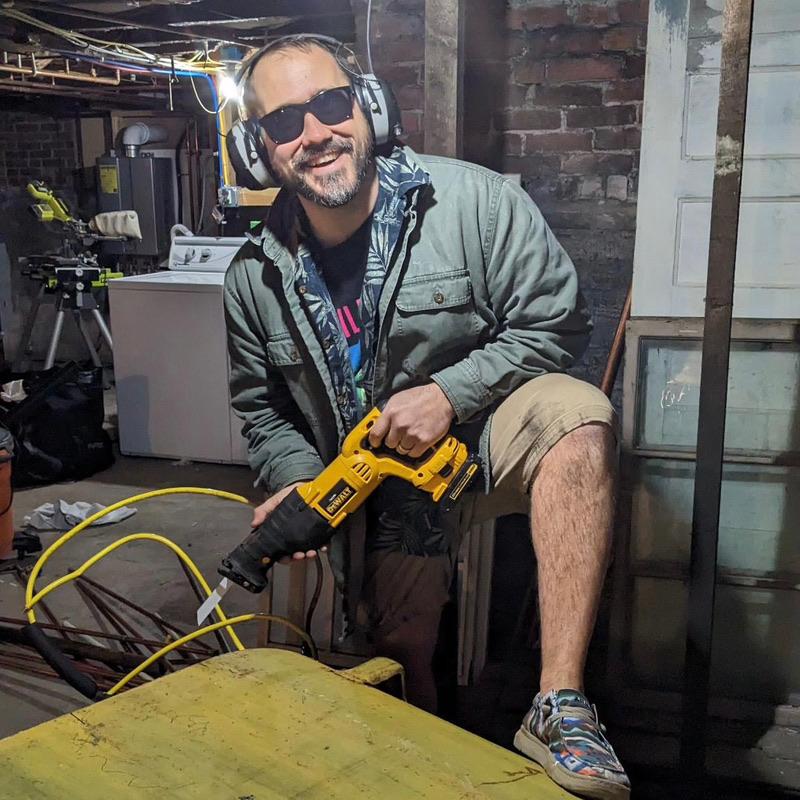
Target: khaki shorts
399, 587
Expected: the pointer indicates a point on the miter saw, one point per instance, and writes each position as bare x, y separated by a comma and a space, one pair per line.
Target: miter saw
73, 276
80, 235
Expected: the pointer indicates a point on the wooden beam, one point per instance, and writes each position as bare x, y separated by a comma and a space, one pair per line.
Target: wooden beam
444, 77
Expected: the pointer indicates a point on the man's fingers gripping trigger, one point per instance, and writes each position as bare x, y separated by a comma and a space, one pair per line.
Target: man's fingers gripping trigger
379, 430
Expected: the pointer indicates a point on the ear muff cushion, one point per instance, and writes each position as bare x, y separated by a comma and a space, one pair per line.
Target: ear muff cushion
248, 157
380, 106
392, 108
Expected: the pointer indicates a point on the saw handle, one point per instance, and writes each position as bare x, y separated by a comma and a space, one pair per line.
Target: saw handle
292, 526
382, 451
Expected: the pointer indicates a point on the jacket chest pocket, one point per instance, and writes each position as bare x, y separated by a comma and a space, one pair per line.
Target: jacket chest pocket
438, 293
435, 320
283, 353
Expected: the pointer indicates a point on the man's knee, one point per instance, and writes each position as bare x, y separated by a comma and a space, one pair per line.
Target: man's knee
551, 413
592, 444
536, 419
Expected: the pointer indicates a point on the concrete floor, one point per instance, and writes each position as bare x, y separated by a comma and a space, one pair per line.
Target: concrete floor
143, 572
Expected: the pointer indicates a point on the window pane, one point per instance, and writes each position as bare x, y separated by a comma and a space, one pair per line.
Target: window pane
763, 386
759, 515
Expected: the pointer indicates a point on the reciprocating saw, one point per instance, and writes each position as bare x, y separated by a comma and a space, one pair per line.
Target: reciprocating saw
308, 516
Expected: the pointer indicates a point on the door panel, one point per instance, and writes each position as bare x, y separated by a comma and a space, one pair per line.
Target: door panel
677, 163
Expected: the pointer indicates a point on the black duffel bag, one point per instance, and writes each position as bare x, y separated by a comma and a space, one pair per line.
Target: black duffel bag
58, 428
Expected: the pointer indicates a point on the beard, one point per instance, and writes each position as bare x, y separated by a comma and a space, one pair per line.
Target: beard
337, 188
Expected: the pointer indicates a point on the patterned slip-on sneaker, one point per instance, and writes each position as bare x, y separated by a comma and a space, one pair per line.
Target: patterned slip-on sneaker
562, 734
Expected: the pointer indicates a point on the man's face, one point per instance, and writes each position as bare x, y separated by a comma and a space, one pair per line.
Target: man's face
326, 164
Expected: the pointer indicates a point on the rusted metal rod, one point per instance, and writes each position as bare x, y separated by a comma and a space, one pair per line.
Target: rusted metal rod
104, 608
52, 617
615, 353
35, 666
109, 616
167, 627
113, 658
102, 635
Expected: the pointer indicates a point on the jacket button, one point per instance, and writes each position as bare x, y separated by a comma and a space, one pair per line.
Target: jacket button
302, 288
294, 354
341, 399
327, 343
438, 298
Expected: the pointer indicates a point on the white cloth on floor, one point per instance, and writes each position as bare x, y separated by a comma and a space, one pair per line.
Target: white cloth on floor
12, 392
62, 517
117, 223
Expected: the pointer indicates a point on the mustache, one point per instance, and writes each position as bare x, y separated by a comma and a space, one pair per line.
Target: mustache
314, 154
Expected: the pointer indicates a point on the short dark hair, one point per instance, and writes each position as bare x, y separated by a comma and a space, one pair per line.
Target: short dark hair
304, 42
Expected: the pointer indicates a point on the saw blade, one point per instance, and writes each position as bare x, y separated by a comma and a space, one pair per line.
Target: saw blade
212, 601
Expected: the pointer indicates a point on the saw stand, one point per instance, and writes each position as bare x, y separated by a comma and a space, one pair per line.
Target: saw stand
75, 282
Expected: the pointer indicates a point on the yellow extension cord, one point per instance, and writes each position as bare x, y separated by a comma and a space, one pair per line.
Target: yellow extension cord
153, 537
32, 597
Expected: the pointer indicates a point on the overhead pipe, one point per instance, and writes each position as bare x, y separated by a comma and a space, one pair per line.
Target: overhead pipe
34, 72
22, 86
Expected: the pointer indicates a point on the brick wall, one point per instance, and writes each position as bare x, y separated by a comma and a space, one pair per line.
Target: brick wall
556, 91
575, 96
398, 55
33, 147
553, 91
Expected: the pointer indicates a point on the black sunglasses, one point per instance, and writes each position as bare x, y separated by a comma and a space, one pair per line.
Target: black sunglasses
330, 107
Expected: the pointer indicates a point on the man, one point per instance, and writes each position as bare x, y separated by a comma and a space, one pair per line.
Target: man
436, 287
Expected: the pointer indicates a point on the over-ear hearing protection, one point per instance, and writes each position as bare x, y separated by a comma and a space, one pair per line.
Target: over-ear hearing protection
245, 146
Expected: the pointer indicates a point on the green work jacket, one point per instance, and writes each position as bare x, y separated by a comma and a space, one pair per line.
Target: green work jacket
479, 297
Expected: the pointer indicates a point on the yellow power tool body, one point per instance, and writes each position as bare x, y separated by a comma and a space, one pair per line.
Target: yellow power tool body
308, 516
49, 207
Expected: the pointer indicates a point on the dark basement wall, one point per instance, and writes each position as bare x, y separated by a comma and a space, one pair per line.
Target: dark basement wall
398, 55
555, 91
33, 146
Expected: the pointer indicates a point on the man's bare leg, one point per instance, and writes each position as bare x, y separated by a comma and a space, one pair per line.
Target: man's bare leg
572, 516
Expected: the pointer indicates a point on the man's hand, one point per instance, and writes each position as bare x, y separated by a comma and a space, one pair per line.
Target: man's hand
260, 514
413, 420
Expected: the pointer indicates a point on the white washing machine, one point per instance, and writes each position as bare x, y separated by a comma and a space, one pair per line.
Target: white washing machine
171, 359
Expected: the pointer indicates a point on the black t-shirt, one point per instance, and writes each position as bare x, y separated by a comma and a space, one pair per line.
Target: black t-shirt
343, 268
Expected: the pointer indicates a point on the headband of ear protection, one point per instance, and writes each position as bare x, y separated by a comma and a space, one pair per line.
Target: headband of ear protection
245, 146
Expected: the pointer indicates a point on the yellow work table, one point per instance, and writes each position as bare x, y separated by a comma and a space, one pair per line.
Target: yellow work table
257, 725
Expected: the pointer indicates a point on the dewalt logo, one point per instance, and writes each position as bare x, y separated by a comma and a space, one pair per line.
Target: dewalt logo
335, 504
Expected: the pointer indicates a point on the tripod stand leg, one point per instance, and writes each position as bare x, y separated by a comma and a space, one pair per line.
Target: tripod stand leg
24, 347
86, 338
50, 359
101, 323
